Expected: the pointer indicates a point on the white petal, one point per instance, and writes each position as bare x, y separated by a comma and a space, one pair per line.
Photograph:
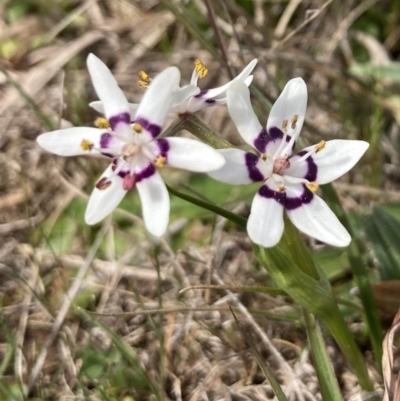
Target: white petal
98, 106
240, 167
103, 201
291, 102
184, 93
157, 101
242, 113
337, 158
71, 142
191, 155
115, 105
219, 92
155, 203
265, 224
317, 220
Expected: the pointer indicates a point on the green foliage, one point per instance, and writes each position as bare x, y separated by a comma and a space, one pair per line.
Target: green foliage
383, 233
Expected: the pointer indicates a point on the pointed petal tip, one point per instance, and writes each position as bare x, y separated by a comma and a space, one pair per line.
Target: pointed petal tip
92, 61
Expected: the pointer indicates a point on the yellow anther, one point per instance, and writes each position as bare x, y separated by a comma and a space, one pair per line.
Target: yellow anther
284, 124
312, 186
101, 123
293, 121
263, 156
144, 79
281, 188
200, 69
320, 146
137, 128
160, 162
86, 145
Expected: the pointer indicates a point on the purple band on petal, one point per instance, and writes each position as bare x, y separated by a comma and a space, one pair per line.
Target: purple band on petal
145, 173
153, 129
251, 163
276, 133
202, 93
293, 203
269, 193
105, 140
312, 169
260, 143
124, 118
286, 201
163, 144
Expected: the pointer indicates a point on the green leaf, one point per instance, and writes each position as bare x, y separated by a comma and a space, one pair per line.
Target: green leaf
390, 71
383, 233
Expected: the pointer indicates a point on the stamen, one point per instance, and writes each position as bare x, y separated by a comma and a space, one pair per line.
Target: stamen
101, 123
103, 184
293, 121
160, 162
144, 79
86, 145
263, 156
200, 69
284, 125
312, 186
281, 188
137, 128
320, 146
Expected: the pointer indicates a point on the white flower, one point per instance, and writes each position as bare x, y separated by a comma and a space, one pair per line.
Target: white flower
191, 98
134, 148
289, 182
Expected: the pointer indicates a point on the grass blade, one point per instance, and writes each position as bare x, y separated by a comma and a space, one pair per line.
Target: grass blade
327, 380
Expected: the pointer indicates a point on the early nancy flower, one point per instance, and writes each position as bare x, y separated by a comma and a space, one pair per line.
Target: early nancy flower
191, 98
134, 148
289, 182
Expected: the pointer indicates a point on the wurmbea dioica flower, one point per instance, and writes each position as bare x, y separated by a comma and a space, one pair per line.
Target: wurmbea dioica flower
191, 98
289, 182
134, 148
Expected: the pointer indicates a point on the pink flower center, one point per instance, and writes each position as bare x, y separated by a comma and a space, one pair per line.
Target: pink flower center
280, 165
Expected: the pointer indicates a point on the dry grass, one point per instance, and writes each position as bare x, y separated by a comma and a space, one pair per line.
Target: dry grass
187, 344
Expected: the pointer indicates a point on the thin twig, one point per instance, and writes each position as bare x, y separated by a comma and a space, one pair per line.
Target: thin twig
305, 23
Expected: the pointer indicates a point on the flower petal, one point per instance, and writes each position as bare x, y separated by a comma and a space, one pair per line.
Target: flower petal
317, 220
183, 94
155, 203
157, 102
265, 224
242, 113
216, 93
290, 108
115, 105
80, 141
99, 107
189, 154
105, 197
335, 159
240, 167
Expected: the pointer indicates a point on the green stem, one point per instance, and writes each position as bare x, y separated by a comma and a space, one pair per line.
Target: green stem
195, 126
360, 273
327, 380
238, 220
